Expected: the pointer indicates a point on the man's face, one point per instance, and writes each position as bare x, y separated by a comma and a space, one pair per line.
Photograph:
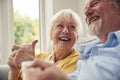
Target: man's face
64, 34
100, 16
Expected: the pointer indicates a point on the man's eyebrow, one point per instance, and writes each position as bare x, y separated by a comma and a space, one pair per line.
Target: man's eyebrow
89, 4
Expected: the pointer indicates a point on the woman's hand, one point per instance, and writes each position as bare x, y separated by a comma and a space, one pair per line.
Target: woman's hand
30, 47
23, 53
14, 68
19, 54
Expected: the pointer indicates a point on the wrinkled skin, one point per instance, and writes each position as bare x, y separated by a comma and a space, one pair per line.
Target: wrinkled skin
19, 54
40, 70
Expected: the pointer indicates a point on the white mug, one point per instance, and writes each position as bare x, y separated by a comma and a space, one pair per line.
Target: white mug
25, 64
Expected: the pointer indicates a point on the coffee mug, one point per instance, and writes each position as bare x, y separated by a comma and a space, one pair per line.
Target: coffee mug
25, 74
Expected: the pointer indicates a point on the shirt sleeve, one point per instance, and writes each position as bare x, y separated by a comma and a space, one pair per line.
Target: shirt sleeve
104, 66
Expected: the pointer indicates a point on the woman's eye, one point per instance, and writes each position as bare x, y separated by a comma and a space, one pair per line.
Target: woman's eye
72, 27
60, 26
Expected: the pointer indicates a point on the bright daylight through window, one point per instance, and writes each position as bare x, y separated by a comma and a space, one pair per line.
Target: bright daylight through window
26, 21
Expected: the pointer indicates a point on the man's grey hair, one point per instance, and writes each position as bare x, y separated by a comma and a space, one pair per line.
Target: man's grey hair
116, 3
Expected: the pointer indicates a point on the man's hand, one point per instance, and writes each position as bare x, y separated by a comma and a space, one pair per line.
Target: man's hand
40, 70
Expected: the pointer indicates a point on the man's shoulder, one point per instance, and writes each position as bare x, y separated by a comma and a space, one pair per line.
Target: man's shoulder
90, 43
86, 48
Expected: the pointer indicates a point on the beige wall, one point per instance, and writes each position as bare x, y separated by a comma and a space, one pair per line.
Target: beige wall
61, 4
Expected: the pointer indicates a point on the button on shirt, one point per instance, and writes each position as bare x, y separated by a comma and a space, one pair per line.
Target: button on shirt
99, 61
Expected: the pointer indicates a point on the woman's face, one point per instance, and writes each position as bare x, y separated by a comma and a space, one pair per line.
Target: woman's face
64, 34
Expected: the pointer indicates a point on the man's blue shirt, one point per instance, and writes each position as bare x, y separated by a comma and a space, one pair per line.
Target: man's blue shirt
99, 61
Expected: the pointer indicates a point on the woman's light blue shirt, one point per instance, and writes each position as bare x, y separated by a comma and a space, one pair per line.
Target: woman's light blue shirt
99, 61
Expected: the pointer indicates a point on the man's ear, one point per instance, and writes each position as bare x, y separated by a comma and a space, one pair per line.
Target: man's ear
119, 10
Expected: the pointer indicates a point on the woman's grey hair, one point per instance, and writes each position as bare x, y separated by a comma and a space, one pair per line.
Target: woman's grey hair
67, 14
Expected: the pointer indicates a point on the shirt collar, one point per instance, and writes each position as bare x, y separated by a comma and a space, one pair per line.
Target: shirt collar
113, 39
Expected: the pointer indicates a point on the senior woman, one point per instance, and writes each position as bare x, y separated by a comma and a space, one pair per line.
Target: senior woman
64, 33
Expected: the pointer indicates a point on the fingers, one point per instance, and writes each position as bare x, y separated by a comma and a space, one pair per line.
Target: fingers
32, 47
12, 64
37, 70
40, 64
22, 52
22, 55
45, 71
32, 73
15, 47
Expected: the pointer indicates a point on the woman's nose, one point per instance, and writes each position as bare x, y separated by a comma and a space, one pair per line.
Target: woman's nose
65, 30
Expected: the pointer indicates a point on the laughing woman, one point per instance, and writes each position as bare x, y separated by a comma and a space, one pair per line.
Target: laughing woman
64, 33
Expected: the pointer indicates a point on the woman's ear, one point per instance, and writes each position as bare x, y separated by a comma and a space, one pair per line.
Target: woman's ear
51, 34
50, 37
78, 37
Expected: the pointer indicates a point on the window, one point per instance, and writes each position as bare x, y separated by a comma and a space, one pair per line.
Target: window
7, 28
26, 21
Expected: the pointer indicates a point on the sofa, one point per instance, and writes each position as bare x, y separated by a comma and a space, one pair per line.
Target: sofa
4, 70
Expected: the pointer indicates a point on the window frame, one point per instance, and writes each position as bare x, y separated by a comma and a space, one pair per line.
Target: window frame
6, 31
6, 27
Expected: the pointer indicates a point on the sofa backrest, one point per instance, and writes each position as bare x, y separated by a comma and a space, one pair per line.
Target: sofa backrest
4, 70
